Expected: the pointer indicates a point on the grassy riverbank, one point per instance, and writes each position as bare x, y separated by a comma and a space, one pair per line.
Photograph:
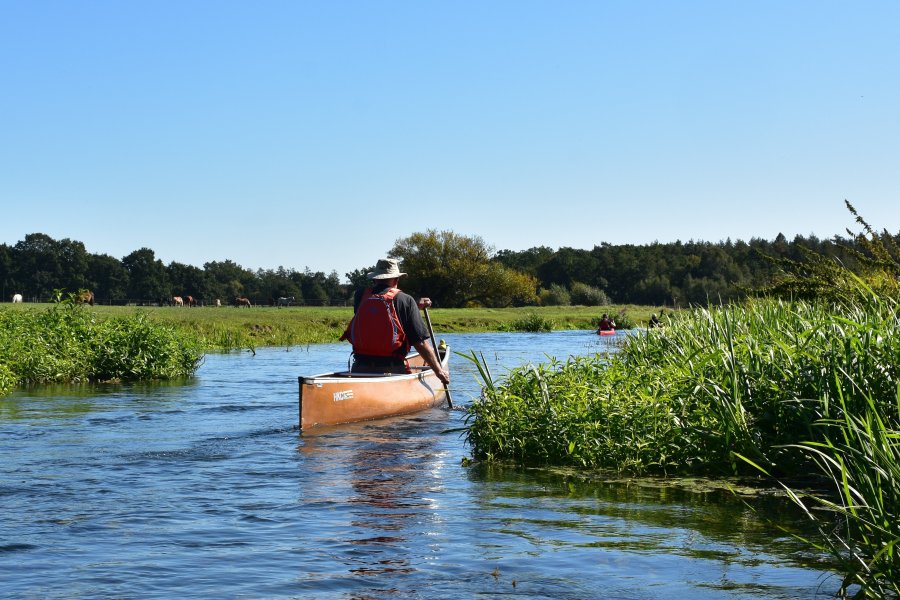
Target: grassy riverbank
229, 328
790, 389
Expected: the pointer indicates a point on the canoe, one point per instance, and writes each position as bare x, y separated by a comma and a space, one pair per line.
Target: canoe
344, 397
606, 332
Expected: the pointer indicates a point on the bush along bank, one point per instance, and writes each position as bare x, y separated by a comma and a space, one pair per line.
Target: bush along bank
65, 344
786, 388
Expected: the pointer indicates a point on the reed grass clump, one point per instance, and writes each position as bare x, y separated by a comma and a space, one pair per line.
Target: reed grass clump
532, 322
750, 379
67, 343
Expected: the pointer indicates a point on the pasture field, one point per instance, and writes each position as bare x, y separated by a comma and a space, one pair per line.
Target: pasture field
228, 328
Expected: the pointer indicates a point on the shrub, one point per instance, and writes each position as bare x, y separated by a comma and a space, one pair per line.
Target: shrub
586, 295
557, 295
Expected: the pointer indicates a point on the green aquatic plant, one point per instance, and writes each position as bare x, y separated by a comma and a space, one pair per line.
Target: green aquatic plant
67, 343
793, 388
532, 322
750, 378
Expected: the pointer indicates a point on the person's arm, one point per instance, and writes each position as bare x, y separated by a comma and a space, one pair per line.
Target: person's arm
427, 352
418, 335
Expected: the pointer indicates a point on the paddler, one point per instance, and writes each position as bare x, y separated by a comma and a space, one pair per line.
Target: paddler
386, 323
606, 324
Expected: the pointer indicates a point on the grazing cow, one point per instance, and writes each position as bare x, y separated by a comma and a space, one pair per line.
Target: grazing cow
177, 301
218, 303
241, 301
85, 297
285, 301
189, 301
17, 298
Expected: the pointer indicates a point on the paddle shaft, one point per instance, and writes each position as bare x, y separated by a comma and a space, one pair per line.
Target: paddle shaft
437, 353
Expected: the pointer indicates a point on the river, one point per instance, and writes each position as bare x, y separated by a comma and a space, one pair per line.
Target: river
205, 489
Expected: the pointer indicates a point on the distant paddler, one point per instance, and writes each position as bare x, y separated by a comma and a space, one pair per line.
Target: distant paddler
607, 325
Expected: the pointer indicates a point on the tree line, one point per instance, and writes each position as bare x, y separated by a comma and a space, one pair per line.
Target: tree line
38, 266
683, 274
454, 270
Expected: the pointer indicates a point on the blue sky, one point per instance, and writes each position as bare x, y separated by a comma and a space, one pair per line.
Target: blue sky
315, 134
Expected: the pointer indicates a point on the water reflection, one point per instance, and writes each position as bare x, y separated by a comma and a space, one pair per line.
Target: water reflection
700, 522
55, 401
393, 473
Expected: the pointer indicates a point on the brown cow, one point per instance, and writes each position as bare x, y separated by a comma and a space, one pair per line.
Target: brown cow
189, 301
241, 301
85, 297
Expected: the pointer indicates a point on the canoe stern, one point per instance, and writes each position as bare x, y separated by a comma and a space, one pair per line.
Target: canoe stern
342, 397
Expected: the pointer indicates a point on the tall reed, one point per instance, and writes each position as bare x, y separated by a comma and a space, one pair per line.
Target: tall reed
788, 388
860, 524
750, 379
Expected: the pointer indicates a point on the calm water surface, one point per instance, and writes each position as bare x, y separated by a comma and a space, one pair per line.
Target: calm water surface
205, 489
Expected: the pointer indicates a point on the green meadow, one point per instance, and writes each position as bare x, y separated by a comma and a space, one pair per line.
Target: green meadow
229, 328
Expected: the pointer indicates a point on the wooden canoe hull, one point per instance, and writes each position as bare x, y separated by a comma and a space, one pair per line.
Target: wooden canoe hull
342, 397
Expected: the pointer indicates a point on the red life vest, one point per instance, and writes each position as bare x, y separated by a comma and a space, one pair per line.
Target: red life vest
375, 329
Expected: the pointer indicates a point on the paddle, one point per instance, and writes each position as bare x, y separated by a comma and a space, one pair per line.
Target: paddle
436, 352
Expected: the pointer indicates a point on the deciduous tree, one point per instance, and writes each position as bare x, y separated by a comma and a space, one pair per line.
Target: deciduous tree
147, 276
456, 270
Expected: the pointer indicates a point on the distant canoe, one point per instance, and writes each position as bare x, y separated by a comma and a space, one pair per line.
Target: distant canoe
344, 397
606, 332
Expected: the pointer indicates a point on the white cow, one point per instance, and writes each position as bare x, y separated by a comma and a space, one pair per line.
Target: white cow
17, 298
